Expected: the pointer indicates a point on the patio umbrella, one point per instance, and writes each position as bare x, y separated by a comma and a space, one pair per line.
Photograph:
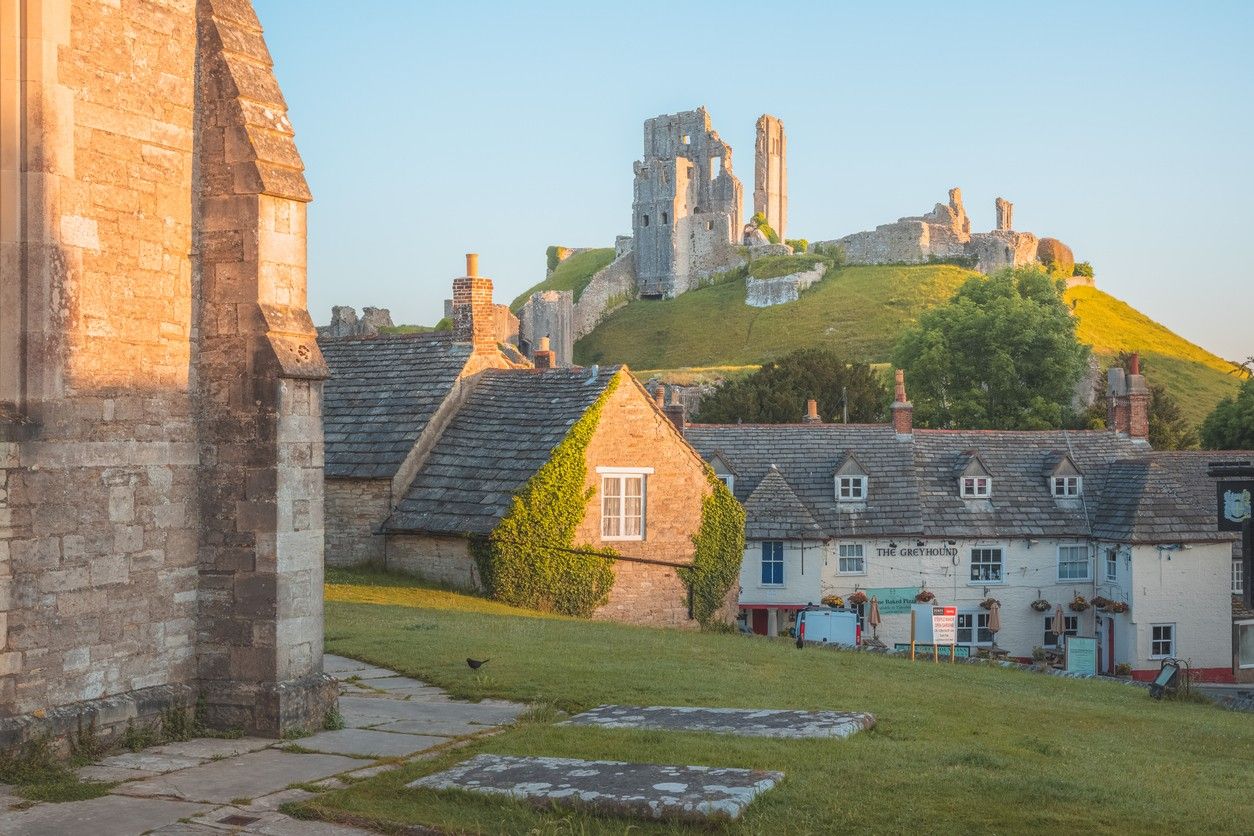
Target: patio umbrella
873, 617
994, 620
1060, 626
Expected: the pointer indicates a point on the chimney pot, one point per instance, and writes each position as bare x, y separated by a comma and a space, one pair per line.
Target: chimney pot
812, 412
659, 395
472, 264
544, 344
1136, 363
902, 409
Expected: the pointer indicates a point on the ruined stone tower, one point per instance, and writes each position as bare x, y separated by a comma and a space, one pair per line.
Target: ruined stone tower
161, 443
686, 204
770, 174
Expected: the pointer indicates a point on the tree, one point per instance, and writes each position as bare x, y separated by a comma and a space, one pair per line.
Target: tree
1230, 426
1001, 354
777, 392
1168, 428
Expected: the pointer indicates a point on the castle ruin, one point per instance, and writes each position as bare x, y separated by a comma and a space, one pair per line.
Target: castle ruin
770, 174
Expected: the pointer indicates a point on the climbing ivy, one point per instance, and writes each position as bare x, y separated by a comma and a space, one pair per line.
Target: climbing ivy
530, 560
720, 546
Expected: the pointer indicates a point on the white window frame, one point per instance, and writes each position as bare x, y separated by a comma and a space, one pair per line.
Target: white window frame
1112, 564
975, 617
1067, 629
622, 475
1088, 564
783, 564
728, 480
1171, 650
986, 551
1067, 487
850, 551
1240, 627
975, 487
1238, 570
851, 488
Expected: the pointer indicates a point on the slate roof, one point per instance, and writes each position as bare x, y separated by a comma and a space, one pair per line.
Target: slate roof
912, 485
381, 393
773, 512
498, 439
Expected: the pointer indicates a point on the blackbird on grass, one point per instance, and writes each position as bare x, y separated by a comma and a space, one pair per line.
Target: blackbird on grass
475, 664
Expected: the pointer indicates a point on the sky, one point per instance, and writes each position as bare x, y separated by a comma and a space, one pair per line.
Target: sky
429, 130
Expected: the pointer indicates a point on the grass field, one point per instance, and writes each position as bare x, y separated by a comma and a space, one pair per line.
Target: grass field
959, 749
572, 274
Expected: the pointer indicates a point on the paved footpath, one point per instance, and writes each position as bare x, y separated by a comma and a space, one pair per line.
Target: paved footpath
215, 786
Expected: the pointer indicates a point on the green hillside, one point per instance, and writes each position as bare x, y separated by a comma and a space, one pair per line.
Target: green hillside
861, 311
572, 274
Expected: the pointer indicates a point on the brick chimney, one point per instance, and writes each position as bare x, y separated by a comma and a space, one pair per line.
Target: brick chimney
474, 314
676, 412
903, 410
659, 395
812, 412
542, 357
1127, 409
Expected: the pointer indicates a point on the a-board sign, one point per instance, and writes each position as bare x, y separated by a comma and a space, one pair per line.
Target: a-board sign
1081, 655
944, 625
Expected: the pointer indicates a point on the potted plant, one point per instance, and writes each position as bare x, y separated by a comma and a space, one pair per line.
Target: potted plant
1078, 604
1101, 602
1116, 607
987, 603
1040, 605
833, 601
857, 598
924, 597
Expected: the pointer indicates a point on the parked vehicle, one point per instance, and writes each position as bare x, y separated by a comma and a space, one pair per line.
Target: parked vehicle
824, 625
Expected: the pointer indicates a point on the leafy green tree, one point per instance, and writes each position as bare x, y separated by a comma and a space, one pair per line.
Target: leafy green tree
1001, 354
777, 392
1230, 426
1168, 428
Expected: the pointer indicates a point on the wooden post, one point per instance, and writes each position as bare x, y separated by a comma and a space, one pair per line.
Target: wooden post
913, 616
953, 654
935, 651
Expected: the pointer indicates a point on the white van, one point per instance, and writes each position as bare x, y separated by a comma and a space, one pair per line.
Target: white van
824, 625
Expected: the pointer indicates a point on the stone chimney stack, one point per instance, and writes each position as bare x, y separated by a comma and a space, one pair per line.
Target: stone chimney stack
676, 412
1117, 400
903, 410
659, 396
473, 312
812, 412
1138, 402
543, 357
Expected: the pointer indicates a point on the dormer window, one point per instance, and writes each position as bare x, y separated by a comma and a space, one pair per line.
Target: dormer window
851, 488
723, 470
977, 487
728, 480
1067, 487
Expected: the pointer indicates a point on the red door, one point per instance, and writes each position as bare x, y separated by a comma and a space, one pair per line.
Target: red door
759, 622
1110, 646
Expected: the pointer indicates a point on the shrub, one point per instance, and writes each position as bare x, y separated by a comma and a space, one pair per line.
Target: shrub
759, 222
1083, 268
799, 245
552, 258
834, 253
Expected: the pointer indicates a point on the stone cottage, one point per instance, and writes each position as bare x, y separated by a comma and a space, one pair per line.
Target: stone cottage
429, 437
1036, 520
160, 383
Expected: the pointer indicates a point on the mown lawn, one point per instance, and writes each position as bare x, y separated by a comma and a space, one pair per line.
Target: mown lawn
958, 749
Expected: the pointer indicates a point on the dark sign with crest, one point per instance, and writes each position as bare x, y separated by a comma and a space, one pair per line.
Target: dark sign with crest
1236, 500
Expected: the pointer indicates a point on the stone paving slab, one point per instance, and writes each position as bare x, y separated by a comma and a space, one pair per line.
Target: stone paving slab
342, 668
360, 712
109, 815
148, 761
368, 742
636, 789
99, 772
209, 748
247, 776
745, 722
439, 727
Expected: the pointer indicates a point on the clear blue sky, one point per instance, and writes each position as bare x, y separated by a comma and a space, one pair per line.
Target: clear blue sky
433, 129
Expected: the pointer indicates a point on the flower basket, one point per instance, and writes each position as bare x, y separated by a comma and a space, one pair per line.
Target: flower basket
1116, 607
1101, 602
1079, 604
833, 601
857, 598
924, 596
987, 603
1040, 605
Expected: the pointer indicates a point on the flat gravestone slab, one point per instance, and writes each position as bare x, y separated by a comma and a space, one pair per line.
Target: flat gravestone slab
634, 789
369, 743
746, 722
109, 815
435, 726
247, 776
148, 761
360, 712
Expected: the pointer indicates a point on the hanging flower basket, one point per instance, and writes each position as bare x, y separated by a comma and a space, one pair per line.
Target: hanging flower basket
857, 598
1116, 607
1079, 604
833, 601
925, 596
1101, 602
987, 603
1040, 605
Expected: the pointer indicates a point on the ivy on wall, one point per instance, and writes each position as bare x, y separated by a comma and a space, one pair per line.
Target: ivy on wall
530, 560
720, 546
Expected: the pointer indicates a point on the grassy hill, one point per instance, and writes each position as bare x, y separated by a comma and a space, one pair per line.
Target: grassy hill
572, 274
966, 749
861, 311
